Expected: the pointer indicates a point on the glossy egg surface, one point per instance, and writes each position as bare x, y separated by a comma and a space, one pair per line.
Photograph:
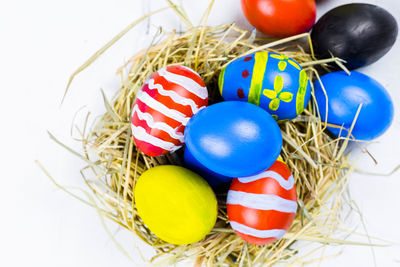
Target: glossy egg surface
345, 94
272, 81
358, 33
176, 204
262, 207
280, 18
234, 138
163, 106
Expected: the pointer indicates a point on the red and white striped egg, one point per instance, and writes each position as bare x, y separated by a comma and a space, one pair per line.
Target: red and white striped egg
163, 106
262, 207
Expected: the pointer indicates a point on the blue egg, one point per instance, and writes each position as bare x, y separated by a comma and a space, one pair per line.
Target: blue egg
213, 179
345, 94
233, 138
272, 81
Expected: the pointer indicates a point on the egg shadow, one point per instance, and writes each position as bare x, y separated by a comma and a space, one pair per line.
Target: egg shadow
322, 1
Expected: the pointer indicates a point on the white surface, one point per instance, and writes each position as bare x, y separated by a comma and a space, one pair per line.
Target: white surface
43, 42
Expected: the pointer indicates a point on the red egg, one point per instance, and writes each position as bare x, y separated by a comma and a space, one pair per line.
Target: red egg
280, 18
262, 207
163, 106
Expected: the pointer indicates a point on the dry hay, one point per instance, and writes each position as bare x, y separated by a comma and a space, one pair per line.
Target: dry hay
317, 161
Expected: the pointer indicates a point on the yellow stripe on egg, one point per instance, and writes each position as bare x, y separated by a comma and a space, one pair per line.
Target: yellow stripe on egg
303, 80
294, 64
261, 60
221, 80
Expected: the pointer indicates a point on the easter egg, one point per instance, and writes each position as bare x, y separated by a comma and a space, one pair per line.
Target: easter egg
345, 94
176, 204
163, 106
262, 207
214, 179
234, 138
280, 18
358, 33
272, 81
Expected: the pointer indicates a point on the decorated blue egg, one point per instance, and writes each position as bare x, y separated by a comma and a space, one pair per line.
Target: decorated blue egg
345, 94
233, 138
272, 81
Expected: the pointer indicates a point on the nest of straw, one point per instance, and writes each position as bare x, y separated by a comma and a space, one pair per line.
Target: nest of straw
317, 161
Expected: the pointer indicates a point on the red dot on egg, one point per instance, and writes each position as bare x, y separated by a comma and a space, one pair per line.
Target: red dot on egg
247, 58
245, 73
240, 93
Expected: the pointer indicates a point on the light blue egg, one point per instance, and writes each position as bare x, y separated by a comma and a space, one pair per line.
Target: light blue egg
345, 94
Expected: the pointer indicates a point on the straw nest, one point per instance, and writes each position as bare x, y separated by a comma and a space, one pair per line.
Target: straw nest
317, 161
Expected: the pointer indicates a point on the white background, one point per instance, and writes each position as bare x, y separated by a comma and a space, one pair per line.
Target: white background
42, 43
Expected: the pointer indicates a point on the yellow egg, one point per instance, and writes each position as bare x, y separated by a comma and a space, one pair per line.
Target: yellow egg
176, 204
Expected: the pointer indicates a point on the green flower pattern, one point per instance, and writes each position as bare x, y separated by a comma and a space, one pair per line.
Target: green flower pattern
276, 95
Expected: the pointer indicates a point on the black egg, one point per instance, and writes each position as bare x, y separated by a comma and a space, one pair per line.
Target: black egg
358, 33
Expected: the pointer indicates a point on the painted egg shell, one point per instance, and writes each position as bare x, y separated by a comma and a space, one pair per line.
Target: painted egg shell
176, 204
163, 106
345, 94
272, 81
280, 18
357, 33
234, 138
214, 179
262, 207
